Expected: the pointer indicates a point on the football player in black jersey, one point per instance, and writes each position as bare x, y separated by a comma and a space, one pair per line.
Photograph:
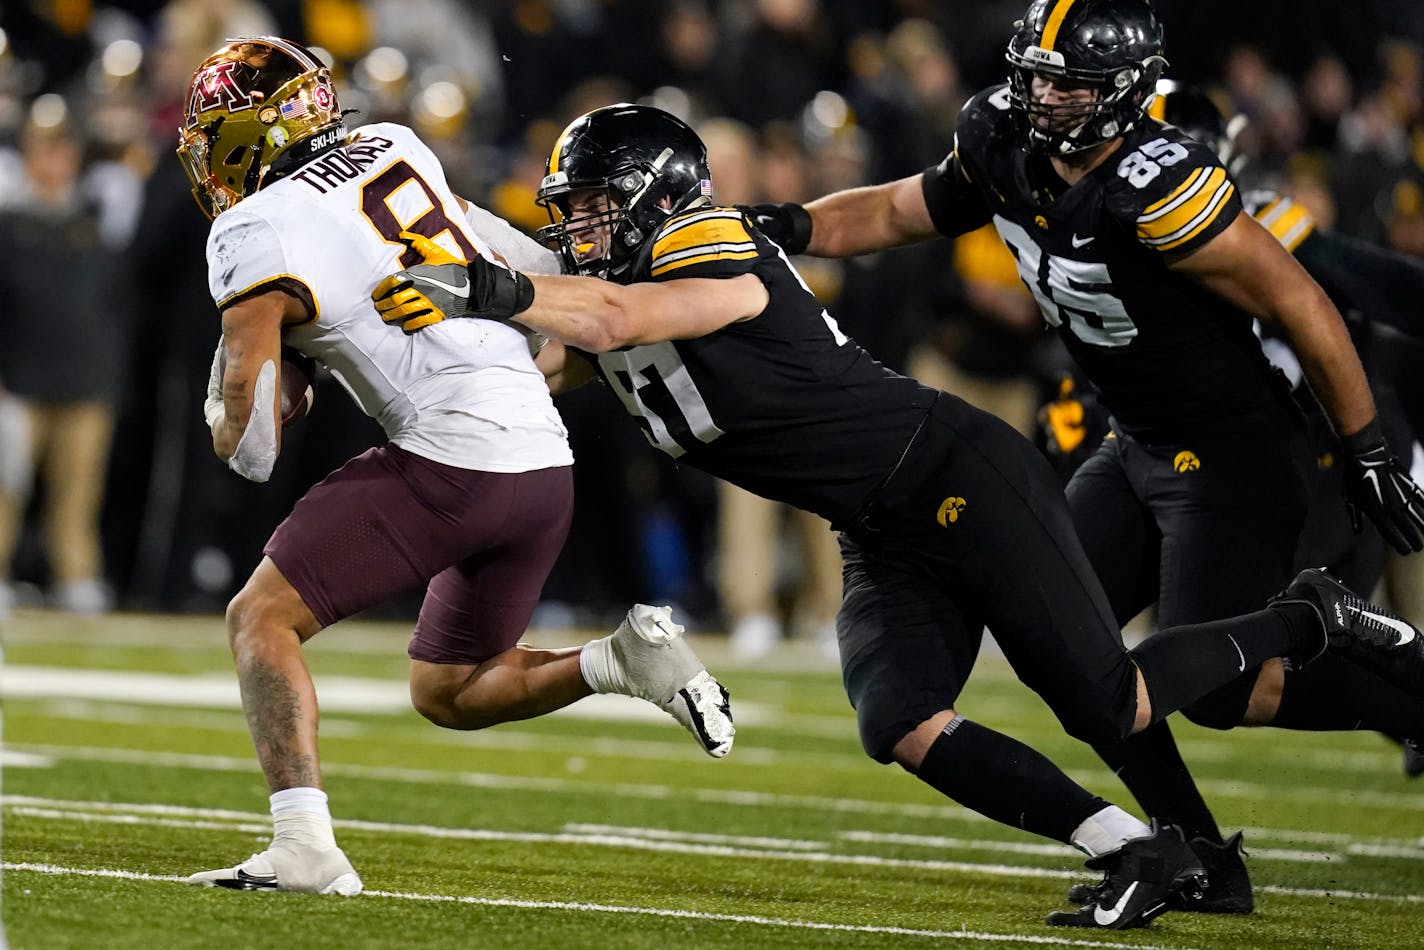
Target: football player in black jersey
1132, 237
949, 519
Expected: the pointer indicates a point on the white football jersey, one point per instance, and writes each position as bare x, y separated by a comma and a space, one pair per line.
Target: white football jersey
463, 392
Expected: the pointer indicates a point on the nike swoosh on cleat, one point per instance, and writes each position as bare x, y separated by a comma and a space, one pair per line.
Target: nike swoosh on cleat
243, 881
1405, 631
1106, 918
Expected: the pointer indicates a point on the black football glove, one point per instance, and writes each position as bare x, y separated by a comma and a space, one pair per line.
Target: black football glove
445, 287
1377, 484
787, 224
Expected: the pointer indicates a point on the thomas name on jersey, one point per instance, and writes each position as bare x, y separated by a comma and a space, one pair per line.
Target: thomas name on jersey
343, 164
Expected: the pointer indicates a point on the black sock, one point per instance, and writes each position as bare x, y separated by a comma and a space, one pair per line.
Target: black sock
1152, 769
1003, 779
1183, 664
1334, 694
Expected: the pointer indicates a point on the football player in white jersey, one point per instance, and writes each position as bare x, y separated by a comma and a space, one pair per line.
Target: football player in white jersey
471, 495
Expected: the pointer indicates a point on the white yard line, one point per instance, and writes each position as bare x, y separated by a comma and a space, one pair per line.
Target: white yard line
616, 836
349, 694
1387, 847
584, 908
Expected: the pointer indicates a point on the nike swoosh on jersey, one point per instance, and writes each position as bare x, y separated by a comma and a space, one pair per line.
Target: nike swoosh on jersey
1405, 631
1083, 242
1105, 918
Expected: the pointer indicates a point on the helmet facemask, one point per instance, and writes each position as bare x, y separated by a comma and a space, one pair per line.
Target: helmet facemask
632, 215
255, 106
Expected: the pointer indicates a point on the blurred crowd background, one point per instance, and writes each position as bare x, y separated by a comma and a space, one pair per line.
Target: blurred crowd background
110, 496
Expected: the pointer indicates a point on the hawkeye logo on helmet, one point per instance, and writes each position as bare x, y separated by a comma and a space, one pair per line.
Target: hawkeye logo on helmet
217, 87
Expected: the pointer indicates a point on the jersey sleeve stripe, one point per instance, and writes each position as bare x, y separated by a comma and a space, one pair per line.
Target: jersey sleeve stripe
1287, 221
1181, 193
702, 254
247, 291
702, 217
706, 235
1196, 193
1197, 224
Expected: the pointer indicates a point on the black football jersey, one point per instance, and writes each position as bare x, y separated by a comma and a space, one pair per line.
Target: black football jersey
784, 404
1168, 357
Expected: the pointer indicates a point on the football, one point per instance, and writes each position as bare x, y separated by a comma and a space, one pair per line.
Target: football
298, 385
298, 381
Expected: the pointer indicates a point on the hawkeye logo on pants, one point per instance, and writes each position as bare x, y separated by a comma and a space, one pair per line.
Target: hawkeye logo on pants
949, 510
1186, 461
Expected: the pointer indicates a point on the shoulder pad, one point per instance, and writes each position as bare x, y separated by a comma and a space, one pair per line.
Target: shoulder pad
703, 242
983, 115
1170, 188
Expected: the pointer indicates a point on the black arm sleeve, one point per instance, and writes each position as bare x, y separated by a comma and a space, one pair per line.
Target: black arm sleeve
1385, 286
956, 204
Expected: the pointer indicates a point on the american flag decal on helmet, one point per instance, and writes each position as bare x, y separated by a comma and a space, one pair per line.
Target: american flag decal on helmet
293, 108
705, 188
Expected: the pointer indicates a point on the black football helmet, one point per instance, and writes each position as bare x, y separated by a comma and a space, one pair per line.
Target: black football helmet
1196, 113
1111, 46
638, 156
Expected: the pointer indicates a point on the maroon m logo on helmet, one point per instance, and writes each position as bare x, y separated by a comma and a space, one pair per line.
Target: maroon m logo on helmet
214, 87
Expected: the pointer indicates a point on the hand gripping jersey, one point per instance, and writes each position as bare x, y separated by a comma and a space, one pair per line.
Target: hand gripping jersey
464, 392
1169, 357
784, 405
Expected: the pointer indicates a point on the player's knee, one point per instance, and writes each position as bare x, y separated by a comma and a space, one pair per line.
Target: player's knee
1098, 730
437, 709
882, 727
438, 693
1216, 711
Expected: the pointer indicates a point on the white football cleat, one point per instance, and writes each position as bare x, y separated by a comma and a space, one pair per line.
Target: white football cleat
286, 867
654, 662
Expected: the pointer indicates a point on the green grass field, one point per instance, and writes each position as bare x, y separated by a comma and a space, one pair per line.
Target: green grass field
127, 766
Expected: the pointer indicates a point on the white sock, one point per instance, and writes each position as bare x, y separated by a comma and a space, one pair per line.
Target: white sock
301, 816
1107, 830
597, 666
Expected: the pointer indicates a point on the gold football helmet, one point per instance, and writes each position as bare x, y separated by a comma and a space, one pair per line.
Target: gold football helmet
259, 103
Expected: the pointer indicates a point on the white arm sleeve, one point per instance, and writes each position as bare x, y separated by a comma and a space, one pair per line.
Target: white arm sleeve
213, 404
521, 251
256, 451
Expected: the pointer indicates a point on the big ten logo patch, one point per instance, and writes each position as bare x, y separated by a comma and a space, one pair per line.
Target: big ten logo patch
1186, 461
949, 510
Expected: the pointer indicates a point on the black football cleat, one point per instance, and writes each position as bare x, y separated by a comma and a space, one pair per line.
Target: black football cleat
1228, 885
1413, 758
1141, 880
1360, 631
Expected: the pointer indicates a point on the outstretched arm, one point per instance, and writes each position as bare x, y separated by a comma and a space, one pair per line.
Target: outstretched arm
591, 314
598, 316
873, 218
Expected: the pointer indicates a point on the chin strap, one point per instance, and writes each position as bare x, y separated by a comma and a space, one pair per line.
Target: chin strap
256, 451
